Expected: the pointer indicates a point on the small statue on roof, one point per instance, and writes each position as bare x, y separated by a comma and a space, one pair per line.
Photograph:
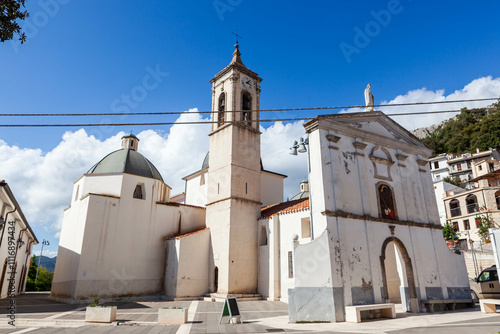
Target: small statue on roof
369, 99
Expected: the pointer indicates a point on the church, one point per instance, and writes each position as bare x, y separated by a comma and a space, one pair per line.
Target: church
364, 229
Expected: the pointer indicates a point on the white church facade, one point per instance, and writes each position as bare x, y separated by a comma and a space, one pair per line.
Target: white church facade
368, 231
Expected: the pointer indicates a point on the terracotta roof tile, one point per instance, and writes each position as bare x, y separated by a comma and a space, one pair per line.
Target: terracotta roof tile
187, 234
285, 207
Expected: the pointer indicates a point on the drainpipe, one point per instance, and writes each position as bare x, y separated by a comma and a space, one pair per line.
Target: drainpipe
5, 224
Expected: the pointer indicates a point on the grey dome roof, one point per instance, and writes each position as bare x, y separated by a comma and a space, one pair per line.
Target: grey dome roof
205, 162
304, 194
126, 161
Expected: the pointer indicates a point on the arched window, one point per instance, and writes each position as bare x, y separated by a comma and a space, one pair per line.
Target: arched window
138, 193
497, 199
246, 116
386, 201
471, 202
455, 208
221, 115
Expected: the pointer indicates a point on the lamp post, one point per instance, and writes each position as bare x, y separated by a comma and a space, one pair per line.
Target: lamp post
302, 147
44, 243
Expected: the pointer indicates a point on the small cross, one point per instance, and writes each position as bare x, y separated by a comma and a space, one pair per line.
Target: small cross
237, 36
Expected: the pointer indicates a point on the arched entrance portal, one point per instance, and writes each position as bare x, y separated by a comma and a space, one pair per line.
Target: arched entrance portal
398, 277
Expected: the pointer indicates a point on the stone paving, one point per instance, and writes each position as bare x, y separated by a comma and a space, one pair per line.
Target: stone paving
35, 313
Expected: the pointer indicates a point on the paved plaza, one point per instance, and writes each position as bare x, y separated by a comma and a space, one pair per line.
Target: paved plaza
36, 313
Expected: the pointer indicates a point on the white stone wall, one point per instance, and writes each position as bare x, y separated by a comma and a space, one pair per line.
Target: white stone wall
112, 246
350, 156
187, 265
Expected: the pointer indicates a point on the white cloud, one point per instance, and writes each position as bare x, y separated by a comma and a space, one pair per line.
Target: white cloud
485, 87
276, 141
46, 253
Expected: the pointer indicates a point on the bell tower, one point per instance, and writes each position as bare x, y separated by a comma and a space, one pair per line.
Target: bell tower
233, 194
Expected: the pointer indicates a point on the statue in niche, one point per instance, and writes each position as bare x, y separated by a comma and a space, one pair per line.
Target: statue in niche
369, 99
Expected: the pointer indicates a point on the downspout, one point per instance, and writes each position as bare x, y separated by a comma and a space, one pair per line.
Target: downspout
5, 224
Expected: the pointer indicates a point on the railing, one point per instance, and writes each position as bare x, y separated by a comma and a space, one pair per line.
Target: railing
455, 212
472, 208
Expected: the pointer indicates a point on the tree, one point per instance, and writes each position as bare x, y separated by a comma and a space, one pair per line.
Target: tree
43, 281
10, 12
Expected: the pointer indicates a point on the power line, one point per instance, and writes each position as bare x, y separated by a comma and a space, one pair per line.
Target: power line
216, 122
236, 111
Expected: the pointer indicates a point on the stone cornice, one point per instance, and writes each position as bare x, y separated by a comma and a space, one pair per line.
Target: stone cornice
332, 124
380, 220
235, 198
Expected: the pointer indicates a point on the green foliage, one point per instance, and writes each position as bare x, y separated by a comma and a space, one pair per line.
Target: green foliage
486, 222
43, 281
449, 232
10, 12
454, 181
95, 302
471, 129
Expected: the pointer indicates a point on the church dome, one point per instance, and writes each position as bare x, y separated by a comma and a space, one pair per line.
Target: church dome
127, 160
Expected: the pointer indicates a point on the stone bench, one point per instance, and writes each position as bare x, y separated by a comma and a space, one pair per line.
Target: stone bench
353, 313
444, 304
489, 305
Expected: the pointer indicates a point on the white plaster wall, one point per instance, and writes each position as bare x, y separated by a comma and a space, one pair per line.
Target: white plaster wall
187, 267
196, 193
115, 246
100, 184
271, 188
22, 258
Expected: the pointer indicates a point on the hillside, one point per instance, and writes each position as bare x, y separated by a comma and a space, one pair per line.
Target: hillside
48, 262
471, 129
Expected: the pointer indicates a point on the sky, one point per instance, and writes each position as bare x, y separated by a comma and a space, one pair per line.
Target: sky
156, 56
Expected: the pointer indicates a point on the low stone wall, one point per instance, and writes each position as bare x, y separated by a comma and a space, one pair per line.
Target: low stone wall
483, 260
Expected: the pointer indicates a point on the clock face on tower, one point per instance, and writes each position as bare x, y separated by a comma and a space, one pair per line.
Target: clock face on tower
246, 83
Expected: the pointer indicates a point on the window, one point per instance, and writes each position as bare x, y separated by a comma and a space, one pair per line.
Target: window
436, 164
221, 117
455, 226
466, 224
290, 265
263, 236
480, 167
246, 105
468, 164
471, 202
455, 208
386, 202
138, 193
497, 199
306, 227
459, 167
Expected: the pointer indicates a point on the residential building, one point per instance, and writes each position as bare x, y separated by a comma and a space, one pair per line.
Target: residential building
16, 244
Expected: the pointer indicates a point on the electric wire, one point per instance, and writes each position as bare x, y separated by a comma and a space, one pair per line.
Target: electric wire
260, 110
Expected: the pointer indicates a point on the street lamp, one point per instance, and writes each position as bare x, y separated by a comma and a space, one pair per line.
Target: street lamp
44, 243
301, 146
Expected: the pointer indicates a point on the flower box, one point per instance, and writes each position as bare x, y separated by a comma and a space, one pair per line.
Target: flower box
100, 314
172, 316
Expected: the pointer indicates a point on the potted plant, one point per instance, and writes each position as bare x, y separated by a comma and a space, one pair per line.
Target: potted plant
172, 315
96, 313
485, 223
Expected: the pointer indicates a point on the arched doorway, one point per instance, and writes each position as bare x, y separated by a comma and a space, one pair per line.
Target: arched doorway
397, 274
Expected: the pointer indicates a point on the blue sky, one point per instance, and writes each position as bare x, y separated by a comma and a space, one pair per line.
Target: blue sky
84, 56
